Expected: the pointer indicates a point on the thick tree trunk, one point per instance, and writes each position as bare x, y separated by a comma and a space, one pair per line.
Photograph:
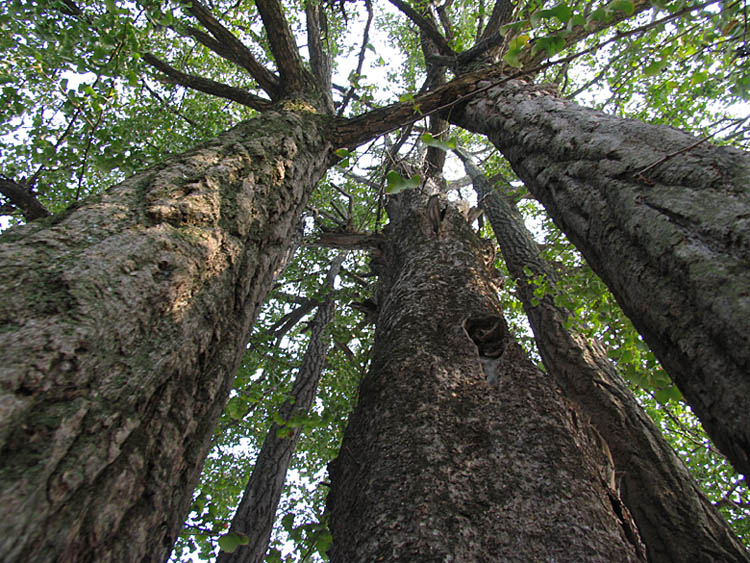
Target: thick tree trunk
256, 512
124, 320
672, 240
675, 519
439, 465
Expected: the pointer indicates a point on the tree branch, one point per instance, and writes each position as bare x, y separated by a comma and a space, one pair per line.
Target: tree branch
21, 197
228, 46
360, 60
284, 49
442, 12
208, 86
501, 14
320, 61
166, 105
350, 241
427, 26
352, 132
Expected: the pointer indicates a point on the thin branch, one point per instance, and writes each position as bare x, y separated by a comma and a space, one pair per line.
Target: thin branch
166, 105
208, 86
350, 241
445, 22
85, 159
427, 26
287, 322
360, 60
641, 175
501, 14
227, 45
21, 197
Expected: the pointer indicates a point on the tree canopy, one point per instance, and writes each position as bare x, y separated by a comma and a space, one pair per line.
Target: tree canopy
93, 92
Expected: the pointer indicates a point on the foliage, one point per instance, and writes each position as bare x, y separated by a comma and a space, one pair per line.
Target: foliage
79, 110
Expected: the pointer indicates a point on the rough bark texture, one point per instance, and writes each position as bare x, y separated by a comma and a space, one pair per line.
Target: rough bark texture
124, 320
675, 519
438, 465
671, 241
257, 510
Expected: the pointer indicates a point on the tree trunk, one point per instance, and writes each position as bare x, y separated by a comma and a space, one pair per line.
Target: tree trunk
439, 465
675, 519
124, 320
257, 510
662, 218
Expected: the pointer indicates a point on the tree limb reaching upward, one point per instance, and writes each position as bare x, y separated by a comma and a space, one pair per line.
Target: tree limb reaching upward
207, 85
294, 76
227, 45
427, 26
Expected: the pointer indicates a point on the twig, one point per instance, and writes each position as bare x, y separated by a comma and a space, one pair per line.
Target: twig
641, 175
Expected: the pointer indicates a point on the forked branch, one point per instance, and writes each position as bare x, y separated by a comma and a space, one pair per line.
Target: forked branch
294, 77
225, 44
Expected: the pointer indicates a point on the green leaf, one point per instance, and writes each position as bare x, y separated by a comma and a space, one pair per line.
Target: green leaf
323, 542
512, 27
698, 77
287, 522
562, 12
397, 183
511, 58
627, 6
551, 45
667, 394
236, 408
431, 141
518, 41
655, 68
231, 541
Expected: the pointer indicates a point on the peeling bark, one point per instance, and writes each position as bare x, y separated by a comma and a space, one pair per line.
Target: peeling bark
671, 241
438, 465
124, 320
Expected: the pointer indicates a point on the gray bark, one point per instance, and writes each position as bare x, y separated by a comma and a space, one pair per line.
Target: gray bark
124, 320
437, 464
675, 519
672, 241
257, 510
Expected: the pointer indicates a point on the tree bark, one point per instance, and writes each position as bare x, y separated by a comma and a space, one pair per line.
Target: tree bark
257, 510
662, 218
124, 320
437, 464
675, 519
